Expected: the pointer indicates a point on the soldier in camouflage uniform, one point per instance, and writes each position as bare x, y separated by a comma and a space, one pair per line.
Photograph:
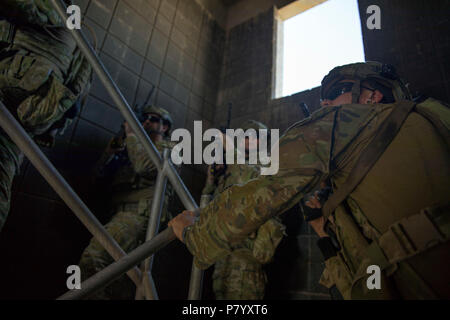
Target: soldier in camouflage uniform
397, 217
42, 74
240, 275
132, 176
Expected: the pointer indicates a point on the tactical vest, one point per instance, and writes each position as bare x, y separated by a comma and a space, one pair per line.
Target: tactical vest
397, 217
54, 45
128, 185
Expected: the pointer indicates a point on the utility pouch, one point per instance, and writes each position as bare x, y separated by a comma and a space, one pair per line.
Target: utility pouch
7, 31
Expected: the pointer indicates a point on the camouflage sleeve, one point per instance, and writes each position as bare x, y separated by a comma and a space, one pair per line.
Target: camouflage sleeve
208, 188
38, 12
138, 156
241, 209
267, 239
79, 77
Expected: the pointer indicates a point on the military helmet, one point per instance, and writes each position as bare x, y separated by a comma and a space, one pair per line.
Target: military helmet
381, 73
253, 124
256, 125
163, 113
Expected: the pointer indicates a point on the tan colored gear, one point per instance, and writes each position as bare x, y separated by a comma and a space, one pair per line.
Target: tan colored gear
253, 124
163, 113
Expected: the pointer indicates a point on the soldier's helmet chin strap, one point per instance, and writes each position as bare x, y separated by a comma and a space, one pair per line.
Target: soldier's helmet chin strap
149, 132
356, 91
159, 132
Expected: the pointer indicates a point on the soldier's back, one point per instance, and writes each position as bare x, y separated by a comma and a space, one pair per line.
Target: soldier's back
386, 209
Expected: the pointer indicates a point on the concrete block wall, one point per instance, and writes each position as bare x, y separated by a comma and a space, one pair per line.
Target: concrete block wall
246, 79
175, 45
414, 37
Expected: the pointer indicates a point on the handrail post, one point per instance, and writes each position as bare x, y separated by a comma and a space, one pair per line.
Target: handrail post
196, 280
153, 224
18, 135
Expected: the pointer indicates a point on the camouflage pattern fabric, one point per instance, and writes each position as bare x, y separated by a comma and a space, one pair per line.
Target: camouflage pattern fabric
128, 227
42, 74
10, 159
235, 174
412, 174
240, 275
133, 193
34, 12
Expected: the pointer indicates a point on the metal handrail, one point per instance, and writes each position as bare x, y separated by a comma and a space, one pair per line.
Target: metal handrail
172, 175
19, 136
116, 269
152, 229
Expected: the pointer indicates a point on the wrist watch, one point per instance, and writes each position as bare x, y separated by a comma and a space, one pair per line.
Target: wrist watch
183, 235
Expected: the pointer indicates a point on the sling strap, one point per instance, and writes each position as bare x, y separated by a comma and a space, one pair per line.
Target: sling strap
436, 122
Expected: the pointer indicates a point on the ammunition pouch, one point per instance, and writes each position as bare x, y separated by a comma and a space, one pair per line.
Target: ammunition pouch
247, 255
416, 234
402, 241
7, 31
141, 207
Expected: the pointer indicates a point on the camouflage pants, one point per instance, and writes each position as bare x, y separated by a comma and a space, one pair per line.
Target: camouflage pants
128, 227
31, 92
239, 277
10, 158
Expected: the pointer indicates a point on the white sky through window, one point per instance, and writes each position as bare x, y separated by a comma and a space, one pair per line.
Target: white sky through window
319, 39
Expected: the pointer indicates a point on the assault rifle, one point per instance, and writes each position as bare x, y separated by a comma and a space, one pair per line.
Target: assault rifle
217, 172
305, 109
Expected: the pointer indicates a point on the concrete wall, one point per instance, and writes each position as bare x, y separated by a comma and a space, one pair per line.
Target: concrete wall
175, 45
415, 38
216, 9
242, 11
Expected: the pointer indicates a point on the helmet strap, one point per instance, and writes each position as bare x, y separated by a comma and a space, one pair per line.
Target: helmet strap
356, 91
154, 132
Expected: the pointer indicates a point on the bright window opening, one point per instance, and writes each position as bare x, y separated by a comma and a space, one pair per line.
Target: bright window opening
315, 41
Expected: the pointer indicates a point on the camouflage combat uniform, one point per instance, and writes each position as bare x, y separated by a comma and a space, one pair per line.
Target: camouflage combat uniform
413, 173
133, 179
240, 275
42, 74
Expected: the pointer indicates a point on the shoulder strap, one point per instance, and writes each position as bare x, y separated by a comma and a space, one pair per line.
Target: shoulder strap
371, 154
436, 122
